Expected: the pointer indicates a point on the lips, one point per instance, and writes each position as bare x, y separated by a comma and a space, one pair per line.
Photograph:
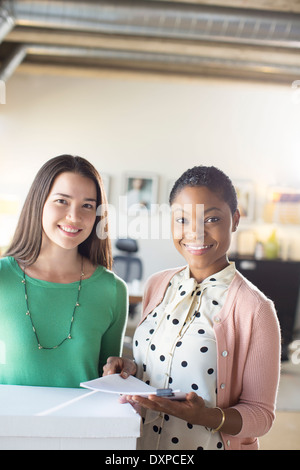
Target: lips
197, 249
69, 230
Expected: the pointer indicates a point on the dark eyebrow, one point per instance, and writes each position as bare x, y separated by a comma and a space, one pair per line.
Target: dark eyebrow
212, 209
63, 195
70, 197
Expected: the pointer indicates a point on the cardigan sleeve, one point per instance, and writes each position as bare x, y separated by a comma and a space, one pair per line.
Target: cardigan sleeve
261, 374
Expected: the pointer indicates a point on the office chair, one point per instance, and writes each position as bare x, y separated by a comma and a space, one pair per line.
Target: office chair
128, 267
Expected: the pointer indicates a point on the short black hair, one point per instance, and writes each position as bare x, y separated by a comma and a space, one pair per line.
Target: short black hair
211, 177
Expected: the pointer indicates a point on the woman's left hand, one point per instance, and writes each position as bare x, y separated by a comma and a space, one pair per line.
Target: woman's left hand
192, 409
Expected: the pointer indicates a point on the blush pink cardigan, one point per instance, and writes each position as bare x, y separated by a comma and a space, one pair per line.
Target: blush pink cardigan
248, 355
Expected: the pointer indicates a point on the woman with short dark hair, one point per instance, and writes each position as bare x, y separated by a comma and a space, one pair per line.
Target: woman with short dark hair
206, 331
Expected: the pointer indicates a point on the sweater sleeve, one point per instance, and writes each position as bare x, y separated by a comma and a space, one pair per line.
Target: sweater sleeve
261, 374
112, 340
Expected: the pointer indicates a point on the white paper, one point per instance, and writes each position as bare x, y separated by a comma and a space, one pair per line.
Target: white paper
114, 383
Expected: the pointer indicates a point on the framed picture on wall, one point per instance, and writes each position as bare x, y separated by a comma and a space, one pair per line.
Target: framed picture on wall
282, 206
246, 199
140, 190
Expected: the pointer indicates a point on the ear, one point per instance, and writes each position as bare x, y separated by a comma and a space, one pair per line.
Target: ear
235, 220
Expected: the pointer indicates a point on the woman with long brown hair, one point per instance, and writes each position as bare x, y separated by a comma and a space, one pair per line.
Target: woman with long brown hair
62, 310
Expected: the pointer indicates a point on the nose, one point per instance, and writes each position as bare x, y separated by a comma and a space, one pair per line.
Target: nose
197, 233
197, 227
73, 214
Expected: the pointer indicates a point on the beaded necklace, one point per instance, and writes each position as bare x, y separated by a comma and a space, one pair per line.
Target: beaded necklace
28, 313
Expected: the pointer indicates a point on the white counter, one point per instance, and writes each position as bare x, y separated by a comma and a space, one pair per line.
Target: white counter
63, 418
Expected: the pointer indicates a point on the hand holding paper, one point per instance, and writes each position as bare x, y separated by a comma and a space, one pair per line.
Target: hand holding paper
114, 383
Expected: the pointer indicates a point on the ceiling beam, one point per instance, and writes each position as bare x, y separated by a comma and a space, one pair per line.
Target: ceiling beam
151, 62
287, 6
12, 62
7, 22
163, 20
206, 49
184, 36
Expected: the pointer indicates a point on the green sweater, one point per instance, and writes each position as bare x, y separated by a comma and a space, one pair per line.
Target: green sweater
97, 331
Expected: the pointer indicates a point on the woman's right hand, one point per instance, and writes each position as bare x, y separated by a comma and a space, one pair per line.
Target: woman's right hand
119, 365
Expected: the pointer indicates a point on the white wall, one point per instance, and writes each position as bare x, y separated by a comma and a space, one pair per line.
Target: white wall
135, 123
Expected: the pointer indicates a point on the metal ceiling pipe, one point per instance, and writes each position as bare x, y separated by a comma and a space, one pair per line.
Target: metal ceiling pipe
12, 63
154, 19
163, 20
7, 23
141, 61
155, 61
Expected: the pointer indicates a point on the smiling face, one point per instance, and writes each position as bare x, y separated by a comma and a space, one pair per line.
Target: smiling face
70, 211
202, 226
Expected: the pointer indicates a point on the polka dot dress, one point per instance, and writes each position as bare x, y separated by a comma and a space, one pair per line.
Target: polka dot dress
175, 347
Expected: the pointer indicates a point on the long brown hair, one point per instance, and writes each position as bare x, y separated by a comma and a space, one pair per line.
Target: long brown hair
26, 243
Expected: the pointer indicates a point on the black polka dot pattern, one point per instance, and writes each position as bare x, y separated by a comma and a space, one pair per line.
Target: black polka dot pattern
176, 348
